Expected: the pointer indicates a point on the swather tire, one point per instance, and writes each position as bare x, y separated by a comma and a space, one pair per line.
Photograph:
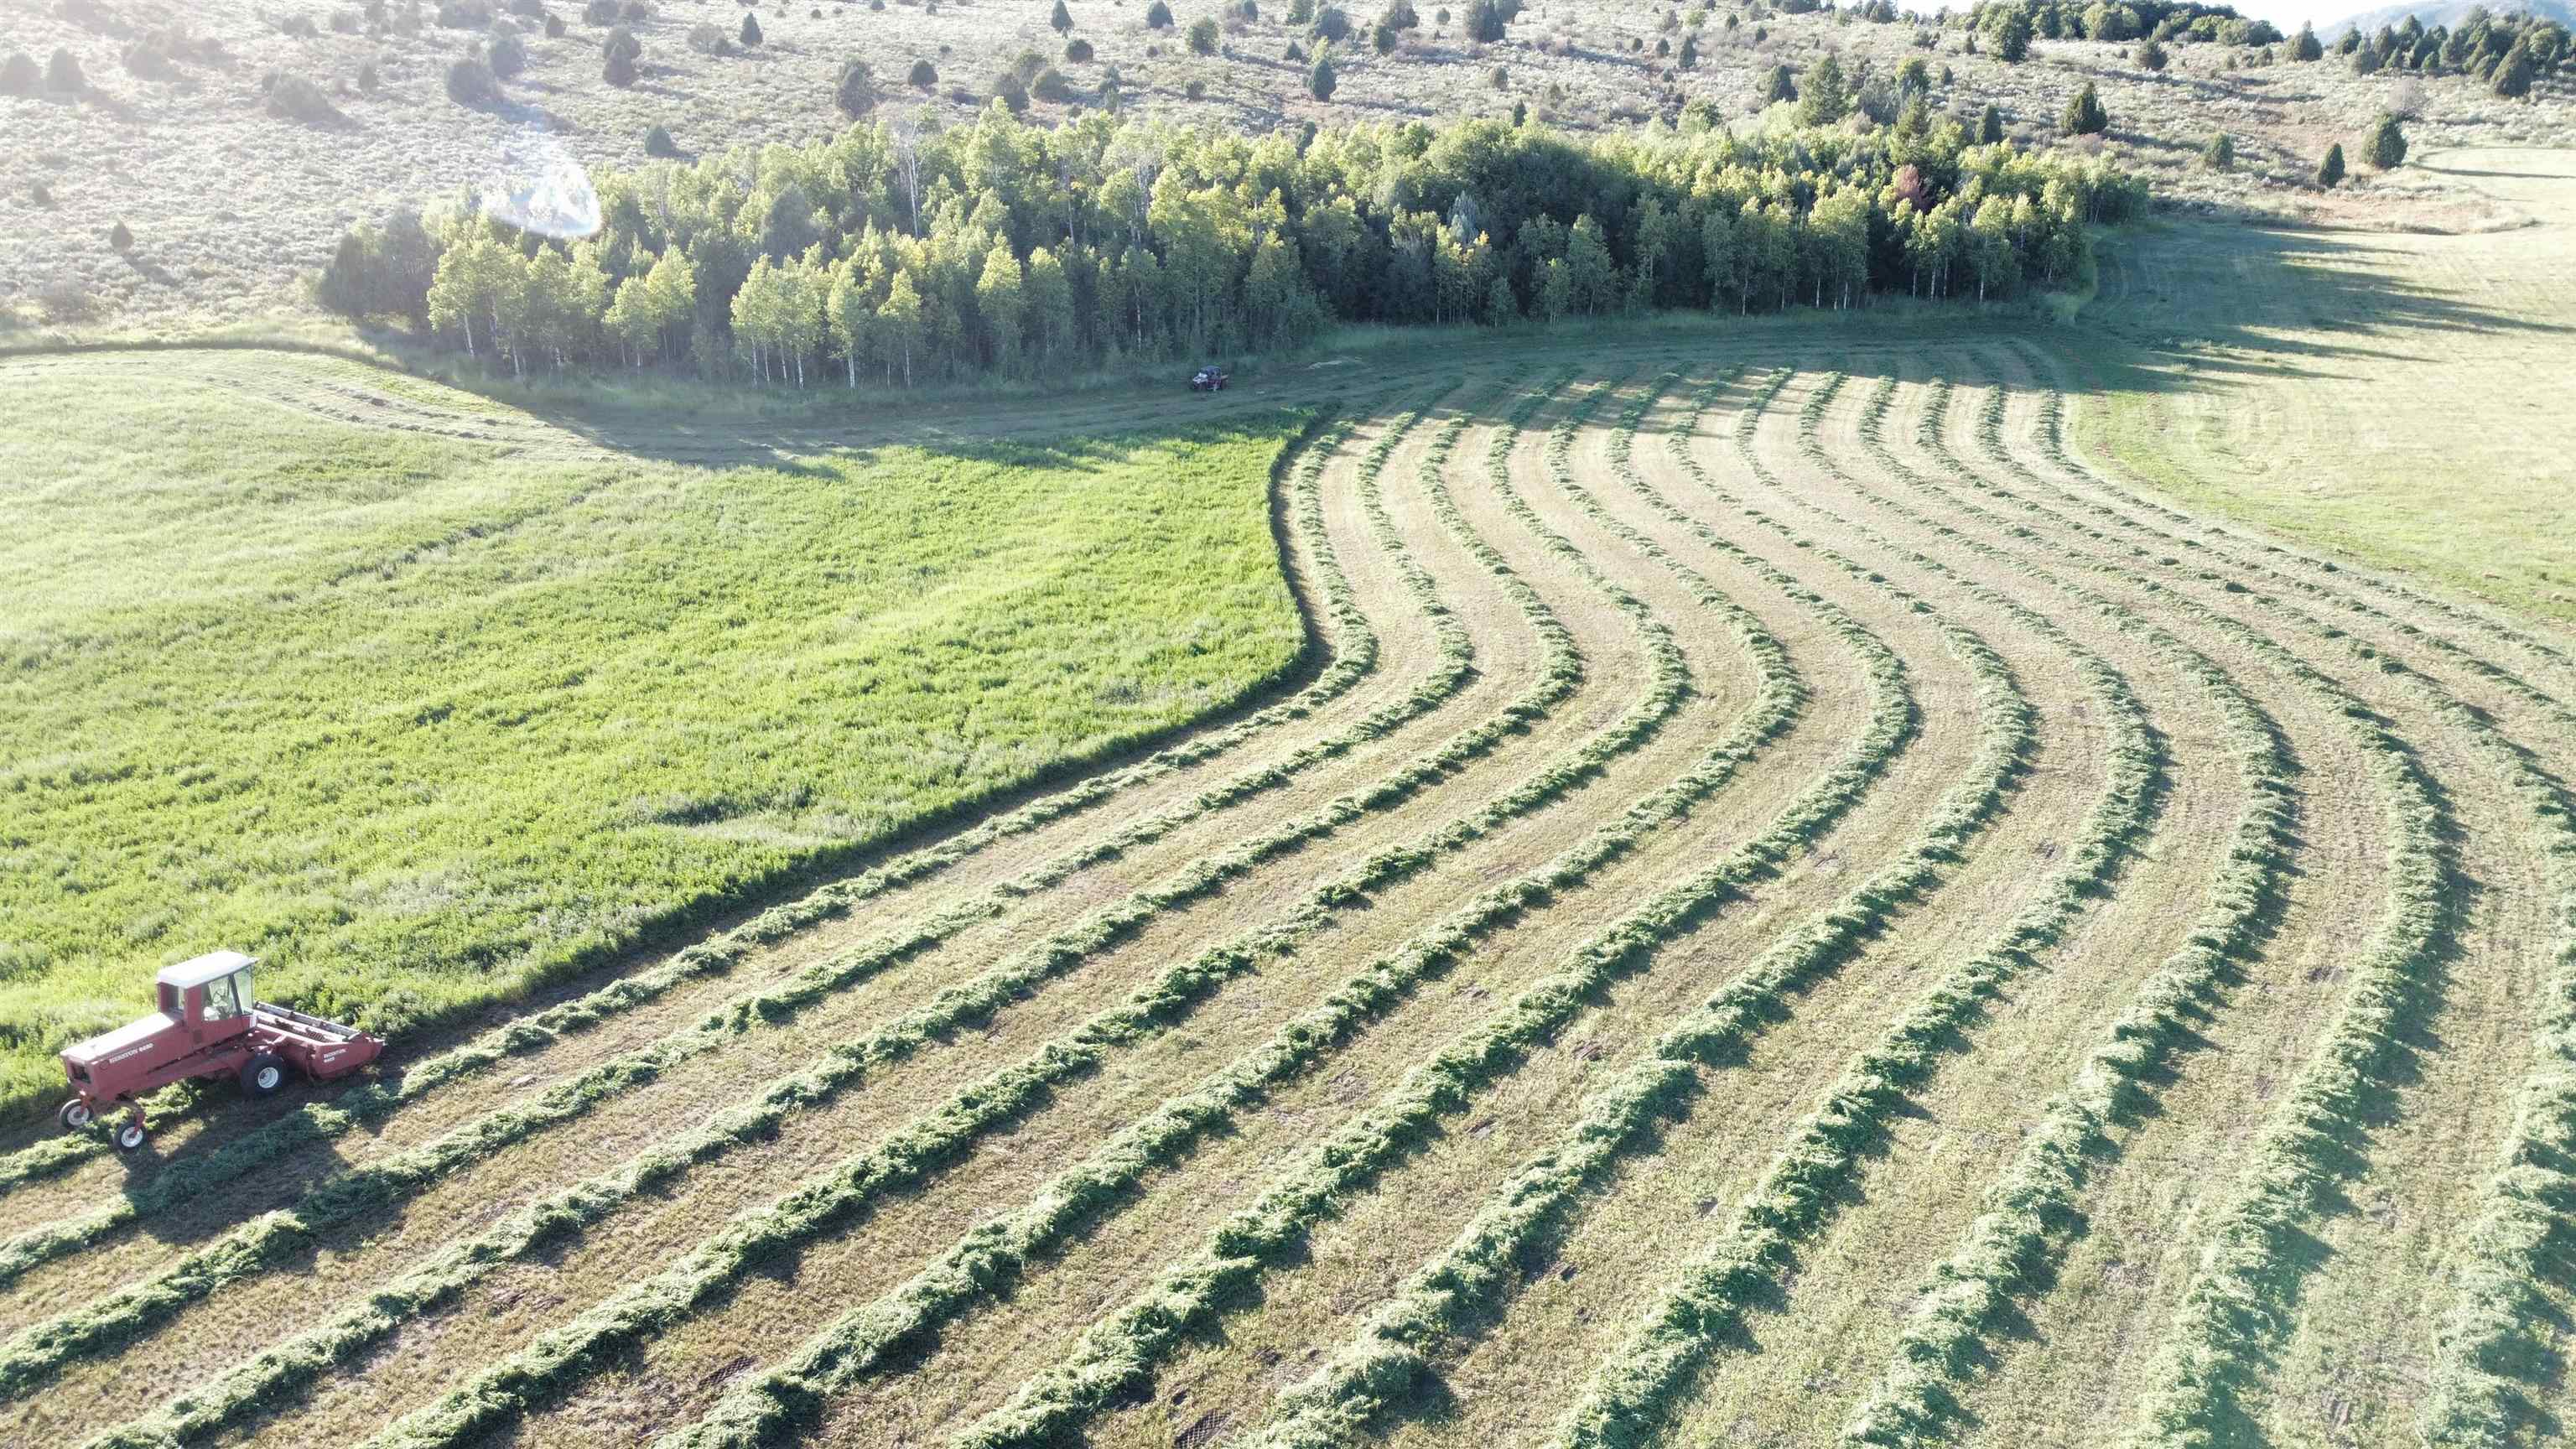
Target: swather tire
129, 1135
76, 1115
263, 1074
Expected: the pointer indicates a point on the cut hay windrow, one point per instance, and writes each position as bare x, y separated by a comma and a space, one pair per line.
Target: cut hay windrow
1805, 1188
2492, 1348
1124, 1350
2485, 1358
2002, 1260
1369, 1378
1349, 642
2239, 1302
563, 1357
880, 1334
846, 1066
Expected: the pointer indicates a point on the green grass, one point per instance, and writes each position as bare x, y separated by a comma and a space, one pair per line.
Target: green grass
425, 724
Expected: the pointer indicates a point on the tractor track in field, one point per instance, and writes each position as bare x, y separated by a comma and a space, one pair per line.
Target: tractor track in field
1799, 906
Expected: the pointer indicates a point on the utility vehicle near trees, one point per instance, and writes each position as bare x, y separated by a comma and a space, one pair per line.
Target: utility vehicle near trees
207, 1026
1209, 379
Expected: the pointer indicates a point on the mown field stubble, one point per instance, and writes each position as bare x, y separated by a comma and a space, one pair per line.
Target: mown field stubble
1798, 882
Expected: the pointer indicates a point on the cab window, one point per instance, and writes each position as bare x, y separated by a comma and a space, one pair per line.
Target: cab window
220, 999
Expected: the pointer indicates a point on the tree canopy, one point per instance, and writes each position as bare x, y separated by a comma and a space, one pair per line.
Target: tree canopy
1000, 248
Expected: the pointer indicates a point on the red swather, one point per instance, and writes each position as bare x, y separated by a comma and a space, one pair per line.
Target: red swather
208, 1026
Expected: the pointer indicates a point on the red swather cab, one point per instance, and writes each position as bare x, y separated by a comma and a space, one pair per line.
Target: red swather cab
208, 1026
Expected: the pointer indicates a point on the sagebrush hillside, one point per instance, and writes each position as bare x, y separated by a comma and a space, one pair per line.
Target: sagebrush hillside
235, 142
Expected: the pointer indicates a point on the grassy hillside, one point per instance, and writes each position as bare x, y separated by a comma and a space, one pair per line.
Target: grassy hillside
422, 720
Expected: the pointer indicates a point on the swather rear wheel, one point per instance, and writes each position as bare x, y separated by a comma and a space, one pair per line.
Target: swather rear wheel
263, 1074
129, 1136
76, 1115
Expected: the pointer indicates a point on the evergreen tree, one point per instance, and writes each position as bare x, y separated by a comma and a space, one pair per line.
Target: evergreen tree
1320, 79
2330, 170
1776, 86
1062, 19
924, 75
2151, 55
2084, 114
2220, 153
619, 52
2513, 75
1990, 125
1202, 36
1485, 21
2307, 46
750, 28
856, 92
2386, 149
1158, 16
2007, 32
1823, 95
2365, 60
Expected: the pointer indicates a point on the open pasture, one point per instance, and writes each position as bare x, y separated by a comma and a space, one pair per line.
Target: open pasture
1827, 885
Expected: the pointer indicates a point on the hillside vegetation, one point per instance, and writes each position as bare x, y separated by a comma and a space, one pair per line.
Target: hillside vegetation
160, 144
1002, 250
